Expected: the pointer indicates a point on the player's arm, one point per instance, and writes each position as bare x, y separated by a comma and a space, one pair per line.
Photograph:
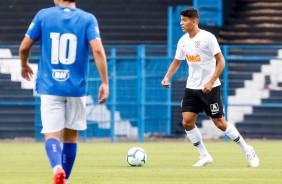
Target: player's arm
170, 72
101, 63
24, 51
218, 70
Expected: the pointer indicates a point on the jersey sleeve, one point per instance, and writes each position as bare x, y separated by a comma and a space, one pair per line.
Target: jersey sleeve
34, 30
93, 29
213, 45
179, 54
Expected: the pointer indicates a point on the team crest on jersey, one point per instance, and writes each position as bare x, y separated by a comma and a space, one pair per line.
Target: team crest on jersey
60, 75
214, 108
197, 43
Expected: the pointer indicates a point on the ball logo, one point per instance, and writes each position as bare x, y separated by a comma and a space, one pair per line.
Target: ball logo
60, 75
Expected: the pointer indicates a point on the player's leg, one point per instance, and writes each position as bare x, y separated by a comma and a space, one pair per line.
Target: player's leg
231, 132
234, 135
75, 120
214, 108
54, 153
194, 135
52, 115
70, 138
190, 107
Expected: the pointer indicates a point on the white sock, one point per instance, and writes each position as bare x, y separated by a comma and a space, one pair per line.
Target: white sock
234, 135
195, 137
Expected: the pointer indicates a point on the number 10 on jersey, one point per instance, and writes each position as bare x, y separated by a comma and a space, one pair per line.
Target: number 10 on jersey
63, 48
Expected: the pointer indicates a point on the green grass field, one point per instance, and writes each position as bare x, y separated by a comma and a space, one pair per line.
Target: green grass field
168, 163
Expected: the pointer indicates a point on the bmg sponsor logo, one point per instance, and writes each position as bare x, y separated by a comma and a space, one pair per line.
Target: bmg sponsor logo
60, 75
193, 58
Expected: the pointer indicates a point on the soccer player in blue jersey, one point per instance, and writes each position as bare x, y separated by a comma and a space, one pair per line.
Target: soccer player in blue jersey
65, 32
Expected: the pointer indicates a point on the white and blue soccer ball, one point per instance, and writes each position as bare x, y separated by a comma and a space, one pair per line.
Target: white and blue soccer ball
136, 156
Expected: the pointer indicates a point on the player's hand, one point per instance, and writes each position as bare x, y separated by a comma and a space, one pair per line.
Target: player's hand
27, 72
207, 88
165, 83
103, 93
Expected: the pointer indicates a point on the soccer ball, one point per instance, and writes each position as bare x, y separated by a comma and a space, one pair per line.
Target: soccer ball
136, 156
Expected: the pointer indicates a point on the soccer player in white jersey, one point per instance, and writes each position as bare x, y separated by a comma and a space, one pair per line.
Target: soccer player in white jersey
205, 60
62, 81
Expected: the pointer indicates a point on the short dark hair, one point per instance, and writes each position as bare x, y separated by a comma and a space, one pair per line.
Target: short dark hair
70, 0
190, 13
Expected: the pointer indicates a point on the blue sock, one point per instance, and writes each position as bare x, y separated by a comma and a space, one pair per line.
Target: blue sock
54, 151
68, 157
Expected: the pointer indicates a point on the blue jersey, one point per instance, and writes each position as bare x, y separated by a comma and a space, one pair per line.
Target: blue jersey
65, 34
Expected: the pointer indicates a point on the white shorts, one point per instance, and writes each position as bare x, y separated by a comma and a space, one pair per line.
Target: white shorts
58, 112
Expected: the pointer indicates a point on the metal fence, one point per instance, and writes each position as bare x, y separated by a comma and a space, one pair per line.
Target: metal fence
139, 106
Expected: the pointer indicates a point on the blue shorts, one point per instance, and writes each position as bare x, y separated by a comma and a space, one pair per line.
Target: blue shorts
196, 101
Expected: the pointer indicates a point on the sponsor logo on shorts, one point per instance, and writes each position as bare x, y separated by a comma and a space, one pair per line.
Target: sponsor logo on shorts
60, 75
214, 108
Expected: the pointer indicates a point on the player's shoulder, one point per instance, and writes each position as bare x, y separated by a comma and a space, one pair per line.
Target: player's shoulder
50, 9
206, 33
183, 38
82, 11
59, 9
46, 11
85, 14
207, 36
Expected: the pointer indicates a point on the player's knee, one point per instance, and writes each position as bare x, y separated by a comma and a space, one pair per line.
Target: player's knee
221, 125
188, 125
70, 135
